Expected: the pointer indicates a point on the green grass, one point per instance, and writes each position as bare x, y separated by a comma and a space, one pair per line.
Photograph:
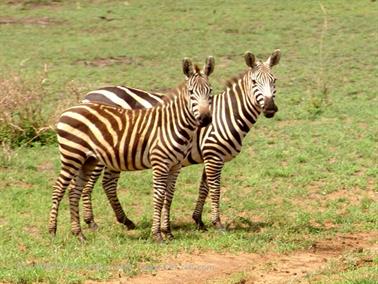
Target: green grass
352, 268
307, 174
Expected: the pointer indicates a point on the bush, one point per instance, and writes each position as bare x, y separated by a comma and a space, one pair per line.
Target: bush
22, 116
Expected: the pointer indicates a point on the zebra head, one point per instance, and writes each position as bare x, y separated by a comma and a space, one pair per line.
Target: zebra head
262, 81
199, 89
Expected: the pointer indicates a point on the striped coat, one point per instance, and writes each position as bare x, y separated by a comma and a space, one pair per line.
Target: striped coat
234, 112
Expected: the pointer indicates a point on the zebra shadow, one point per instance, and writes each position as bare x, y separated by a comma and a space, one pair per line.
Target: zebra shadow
245, 225
180, 229
188, 230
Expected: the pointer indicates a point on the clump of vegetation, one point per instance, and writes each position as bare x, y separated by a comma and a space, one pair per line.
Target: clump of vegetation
319, 99
22, 116
25, 115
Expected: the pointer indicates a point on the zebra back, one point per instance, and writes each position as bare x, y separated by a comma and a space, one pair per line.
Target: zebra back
126, 97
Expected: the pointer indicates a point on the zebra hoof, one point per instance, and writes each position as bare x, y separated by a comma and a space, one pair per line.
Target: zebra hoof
80, 236
157, 237
219, 226
52, 232
130, 225
199, 224
168, 236
93, 226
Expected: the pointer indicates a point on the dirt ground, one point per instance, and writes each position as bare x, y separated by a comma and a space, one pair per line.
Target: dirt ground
256, 268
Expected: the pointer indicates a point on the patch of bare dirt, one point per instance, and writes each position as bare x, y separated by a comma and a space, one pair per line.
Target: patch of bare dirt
32, 230
103, 62
21, 184
257, 268
46, 166
30, 4
226, 61
42, 21
346, 196
3, 221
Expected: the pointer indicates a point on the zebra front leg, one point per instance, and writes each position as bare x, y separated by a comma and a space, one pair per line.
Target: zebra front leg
87, 197
61, 184
75, 194
160, 177
109, 184
171, 184
202, 194
213, 170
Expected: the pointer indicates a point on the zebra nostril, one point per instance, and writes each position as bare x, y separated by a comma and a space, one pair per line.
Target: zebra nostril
269, 114
205, 120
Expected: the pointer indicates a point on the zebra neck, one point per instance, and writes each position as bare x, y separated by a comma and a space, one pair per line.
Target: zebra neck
239, 105
177, 115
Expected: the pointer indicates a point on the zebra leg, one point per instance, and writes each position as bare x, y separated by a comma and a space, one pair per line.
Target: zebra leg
61, 184
213, 170
75, 194
109, 184
160, 177
171, 184
87, 197
202, 194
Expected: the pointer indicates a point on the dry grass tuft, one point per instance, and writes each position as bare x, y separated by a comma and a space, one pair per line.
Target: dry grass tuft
23, 118
27, 111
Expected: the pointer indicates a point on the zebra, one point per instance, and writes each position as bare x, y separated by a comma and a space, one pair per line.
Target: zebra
234, 112
123, 140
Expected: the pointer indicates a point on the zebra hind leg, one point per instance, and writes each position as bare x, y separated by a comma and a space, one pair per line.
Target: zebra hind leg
87, 197
63, 181
75, 194
202, 194
109, 184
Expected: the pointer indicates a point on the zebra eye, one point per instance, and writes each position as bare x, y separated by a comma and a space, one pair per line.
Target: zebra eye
191, 92
254, 82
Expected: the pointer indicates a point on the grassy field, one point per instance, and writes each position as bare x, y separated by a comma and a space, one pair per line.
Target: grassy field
306, 175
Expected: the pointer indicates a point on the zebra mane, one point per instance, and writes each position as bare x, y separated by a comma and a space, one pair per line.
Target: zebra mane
260, 67
168, 94
171, 93
235, 79
197, 69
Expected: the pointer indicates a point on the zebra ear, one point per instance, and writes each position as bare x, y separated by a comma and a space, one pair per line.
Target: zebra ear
187, 67
274, 59
209, 66
250, 59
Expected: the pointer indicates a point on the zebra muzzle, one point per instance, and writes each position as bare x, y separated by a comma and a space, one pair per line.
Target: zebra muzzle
270, 108
204, 120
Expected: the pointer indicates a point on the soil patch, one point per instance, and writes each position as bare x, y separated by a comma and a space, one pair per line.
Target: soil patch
103, 62
257, 268
34, 4
43, 21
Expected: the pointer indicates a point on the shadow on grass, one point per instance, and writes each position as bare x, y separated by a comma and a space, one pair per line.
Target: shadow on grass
245, 225
188, 230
